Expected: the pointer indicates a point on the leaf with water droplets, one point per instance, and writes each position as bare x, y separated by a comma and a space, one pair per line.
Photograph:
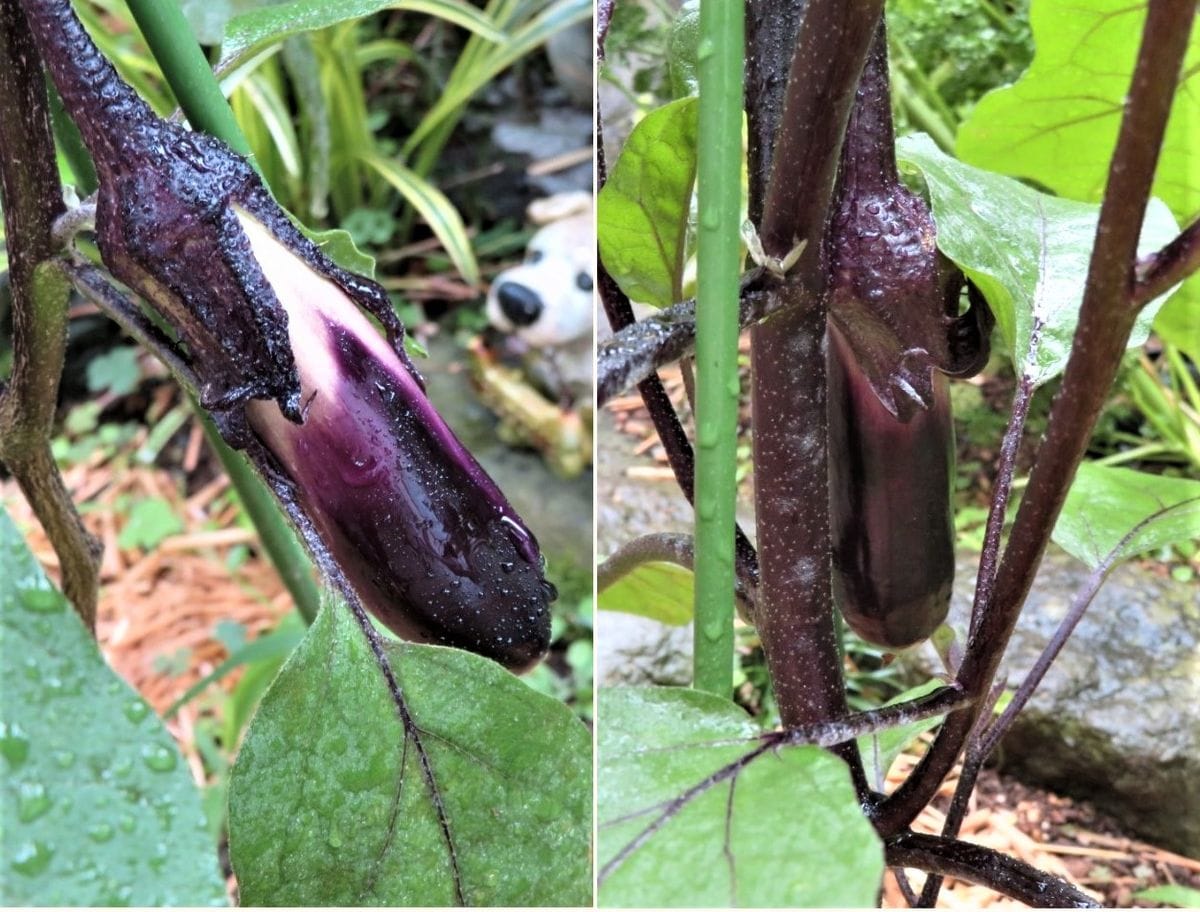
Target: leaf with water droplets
1027, 251
644, 209
96, 808
470, 787
693, 812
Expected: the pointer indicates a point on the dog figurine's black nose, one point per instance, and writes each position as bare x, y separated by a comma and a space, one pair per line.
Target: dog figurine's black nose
521, 305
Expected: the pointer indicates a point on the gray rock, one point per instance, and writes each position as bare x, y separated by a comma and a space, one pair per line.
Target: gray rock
637, 650
1116, 720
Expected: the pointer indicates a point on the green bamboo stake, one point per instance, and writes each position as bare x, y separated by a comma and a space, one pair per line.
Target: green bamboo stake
187, 71
190, 77
720, 65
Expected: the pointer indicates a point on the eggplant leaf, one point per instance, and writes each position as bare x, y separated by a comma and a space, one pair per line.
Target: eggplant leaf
331, 802
1027, 251
657, 590
97, 808
781, 829
1106, 503
643, 210
1058, 123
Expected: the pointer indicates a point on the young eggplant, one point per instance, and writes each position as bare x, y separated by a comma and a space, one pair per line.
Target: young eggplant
293, 372
894, 335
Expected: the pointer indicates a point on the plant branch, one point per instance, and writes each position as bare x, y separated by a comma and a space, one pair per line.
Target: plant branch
663, 547
1158, 272
32, 200
987, 867
791, 185
1106, 319
630, 356
619, 310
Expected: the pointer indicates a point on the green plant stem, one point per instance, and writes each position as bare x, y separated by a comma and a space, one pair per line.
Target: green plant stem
718, 186
32, 200
191, 79
187, 71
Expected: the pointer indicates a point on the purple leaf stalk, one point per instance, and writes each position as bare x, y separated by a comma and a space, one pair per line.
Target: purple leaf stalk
894, 335
293, 372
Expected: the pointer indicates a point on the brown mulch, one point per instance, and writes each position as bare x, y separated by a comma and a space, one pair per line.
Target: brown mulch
1058, 835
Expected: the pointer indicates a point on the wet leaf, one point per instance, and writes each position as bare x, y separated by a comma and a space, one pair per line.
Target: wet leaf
96, 804
1027, 251
1106, 503
1058, 123
330, 804
657, 590
784, 830
642, 212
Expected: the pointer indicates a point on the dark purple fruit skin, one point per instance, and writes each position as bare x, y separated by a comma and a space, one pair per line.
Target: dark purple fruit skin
890, 497
423, 534
894, 335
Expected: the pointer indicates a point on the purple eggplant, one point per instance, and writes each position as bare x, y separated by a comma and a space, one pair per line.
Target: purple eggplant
894, 335
293, 373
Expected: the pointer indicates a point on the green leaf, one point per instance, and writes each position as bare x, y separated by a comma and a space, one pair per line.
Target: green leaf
1058, 123
1028, 252
150, 521
784, 830
642, 212
97, 808
438, 212
682, 44
658, 590
331, 803
1171, 895
116, 372
254, 29
339, 246
1105, 504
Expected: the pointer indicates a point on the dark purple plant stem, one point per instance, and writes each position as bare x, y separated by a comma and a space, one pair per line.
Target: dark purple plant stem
989, 730
1106, 319
1157, 272
791, 185
32, 199
987, 867
1006, 468
666, 422
640, 349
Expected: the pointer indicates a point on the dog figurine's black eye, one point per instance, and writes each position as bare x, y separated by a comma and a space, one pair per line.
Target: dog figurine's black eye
583, 281
534, 256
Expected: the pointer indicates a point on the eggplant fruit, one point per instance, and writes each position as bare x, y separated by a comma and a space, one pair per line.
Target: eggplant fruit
894, 334
292, 371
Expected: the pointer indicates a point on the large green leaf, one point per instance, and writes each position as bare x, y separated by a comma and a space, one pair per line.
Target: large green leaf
643, 209
1058, 123
781, 829
254, 29
96, 806
334, 800
658, 590
1027, 251
1105, 504
439, 213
